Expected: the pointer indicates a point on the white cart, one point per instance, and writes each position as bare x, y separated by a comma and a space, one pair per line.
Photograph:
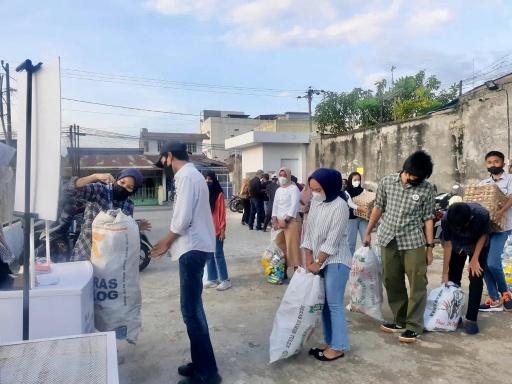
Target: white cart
63, 309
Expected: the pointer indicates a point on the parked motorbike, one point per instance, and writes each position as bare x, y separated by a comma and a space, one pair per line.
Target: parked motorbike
64, 234
236, 204
442, 202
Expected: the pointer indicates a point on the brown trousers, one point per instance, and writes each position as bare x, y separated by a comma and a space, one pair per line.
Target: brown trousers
289, 242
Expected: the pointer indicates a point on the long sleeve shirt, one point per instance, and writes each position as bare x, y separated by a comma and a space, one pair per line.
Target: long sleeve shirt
192, 216
219, 214
326, 231
286, 202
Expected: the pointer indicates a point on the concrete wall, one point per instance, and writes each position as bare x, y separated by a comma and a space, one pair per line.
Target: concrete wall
457, 139
301, 126
252, 160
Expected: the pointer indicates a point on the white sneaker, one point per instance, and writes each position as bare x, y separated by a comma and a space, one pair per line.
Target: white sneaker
210, 284
226, 284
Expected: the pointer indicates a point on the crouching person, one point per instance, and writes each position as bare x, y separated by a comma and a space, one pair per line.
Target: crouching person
466, 229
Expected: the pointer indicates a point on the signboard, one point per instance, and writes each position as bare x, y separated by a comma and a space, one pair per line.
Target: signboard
360, 170
46, 126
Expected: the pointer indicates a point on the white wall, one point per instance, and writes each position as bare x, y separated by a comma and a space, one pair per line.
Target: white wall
274, 153
252, 160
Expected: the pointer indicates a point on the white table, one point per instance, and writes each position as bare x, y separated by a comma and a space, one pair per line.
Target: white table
64, 309
82, 359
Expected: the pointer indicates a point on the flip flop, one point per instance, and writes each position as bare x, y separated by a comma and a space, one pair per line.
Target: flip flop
320, 356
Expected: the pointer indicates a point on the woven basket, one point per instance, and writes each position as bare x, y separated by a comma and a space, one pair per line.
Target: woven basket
366, 200
491, 198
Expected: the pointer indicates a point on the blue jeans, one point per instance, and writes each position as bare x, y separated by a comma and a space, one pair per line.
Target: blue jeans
257, 208
333, 315
191, 287
494, 276
356, 226
216, 264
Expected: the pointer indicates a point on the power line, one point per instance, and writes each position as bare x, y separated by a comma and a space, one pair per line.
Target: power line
125, 114
192, 84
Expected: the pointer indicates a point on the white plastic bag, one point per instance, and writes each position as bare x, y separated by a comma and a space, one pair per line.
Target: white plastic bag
444, 308
297, 315
115, 258
365, 284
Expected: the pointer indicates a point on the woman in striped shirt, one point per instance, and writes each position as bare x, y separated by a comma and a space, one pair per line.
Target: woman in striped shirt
327, 252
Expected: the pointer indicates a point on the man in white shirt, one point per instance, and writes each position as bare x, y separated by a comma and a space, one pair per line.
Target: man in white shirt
191, 240
500, 297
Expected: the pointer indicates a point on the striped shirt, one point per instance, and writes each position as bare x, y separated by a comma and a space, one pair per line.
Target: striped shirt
326, 231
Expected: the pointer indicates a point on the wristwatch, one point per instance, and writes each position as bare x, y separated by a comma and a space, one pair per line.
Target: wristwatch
430, 245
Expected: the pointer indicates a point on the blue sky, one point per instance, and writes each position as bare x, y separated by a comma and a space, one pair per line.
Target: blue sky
283, 45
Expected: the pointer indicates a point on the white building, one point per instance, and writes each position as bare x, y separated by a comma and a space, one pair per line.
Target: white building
152, 142
221, 125
272, 145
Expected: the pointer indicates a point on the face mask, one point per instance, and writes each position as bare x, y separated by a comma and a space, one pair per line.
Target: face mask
283, 180
120, 193
414, 183
317, 196
495, 170
356, 184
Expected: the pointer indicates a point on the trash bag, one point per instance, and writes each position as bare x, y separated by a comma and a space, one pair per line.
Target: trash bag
298, 314
365, 284
444, 308
115, 258
273, 261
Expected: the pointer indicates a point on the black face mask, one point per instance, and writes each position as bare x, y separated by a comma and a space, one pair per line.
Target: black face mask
495, 170
120, 193
414, 183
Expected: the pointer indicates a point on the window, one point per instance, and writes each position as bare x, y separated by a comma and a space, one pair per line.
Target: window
160, 144
192, 147
146, 146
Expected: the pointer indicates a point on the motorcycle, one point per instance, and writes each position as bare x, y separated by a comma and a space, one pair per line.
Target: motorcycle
442, 202
236, 204
65, 232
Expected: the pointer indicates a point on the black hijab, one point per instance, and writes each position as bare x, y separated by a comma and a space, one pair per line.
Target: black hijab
353, 192
214, 188
331, 182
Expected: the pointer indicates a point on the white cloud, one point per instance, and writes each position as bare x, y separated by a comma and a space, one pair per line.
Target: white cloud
426, 21
199, 8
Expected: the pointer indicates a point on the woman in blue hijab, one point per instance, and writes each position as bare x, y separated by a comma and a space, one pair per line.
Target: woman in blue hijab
327, 253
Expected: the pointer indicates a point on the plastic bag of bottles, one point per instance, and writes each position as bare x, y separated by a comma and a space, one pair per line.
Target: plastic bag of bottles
273, 263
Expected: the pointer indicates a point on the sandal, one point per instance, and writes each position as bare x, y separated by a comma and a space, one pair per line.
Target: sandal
320, 356
314, 351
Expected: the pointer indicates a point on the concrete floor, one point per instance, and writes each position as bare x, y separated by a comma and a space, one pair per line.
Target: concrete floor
241, 319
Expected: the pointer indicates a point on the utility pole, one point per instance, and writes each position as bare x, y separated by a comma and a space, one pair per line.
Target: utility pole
310, 92
460, 88
8, 139
74, 146
392, 75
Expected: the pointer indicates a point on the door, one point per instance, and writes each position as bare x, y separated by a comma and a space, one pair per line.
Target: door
292, 164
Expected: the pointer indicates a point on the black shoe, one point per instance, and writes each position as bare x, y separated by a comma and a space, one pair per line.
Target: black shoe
186, 370
196, 379
251, 228
408, 336
258, 228
391, 328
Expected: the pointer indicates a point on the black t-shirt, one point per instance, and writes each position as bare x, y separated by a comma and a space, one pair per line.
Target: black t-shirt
354, 192
479, 225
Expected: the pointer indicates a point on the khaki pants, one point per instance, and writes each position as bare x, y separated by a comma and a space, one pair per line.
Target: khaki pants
407, 310
289, 242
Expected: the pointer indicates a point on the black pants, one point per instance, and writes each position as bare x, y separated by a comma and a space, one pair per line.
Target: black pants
476, 284
247, 210
268, 214
257, 209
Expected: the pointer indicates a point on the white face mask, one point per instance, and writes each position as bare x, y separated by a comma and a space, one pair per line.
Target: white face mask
356, 183
317, 196
283, 180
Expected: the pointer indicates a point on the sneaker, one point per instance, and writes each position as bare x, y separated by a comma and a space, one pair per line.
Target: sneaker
210, 284
391, 328
408, 336
507, 301
471, 327
226, 284
491, 305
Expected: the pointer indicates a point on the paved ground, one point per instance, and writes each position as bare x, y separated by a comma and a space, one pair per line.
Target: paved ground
240, 323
